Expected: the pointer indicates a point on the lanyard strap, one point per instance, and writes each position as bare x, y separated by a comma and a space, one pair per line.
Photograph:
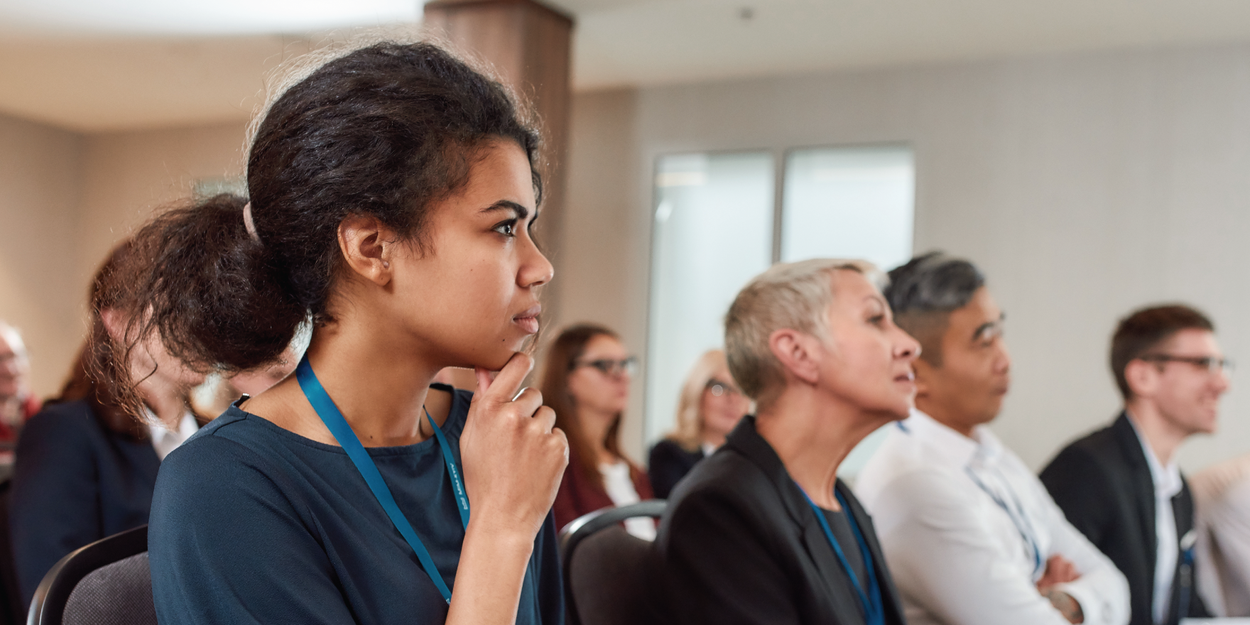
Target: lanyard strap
333, 419
874, 610
1019, 519
457, 484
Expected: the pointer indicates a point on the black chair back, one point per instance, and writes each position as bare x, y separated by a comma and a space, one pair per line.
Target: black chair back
105, 583
605, 580
11, 612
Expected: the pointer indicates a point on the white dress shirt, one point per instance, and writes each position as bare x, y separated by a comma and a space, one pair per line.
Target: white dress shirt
621, 491
1222, 518
1167, 483
967, 529
165, 440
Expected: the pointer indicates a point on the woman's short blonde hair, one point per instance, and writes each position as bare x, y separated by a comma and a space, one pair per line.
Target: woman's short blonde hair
788, 295
689, 431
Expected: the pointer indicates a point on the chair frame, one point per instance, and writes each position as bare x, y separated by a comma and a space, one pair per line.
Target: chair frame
11, 604
48, 605
587, 525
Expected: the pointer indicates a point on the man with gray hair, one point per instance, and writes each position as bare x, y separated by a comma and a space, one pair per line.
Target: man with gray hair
762, 532
971, 535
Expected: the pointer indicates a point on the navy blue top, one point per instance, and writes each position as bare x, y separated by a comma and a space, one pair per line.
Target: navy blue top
252, 523
841, 528
74, 482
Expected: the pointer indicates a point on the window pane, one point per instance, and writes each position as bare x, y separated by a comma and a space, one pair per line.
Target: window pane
713, 232
850, 202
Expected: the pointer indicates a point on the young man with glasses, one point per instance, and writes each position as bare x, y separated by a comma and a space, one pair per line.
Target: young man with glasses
1120, 485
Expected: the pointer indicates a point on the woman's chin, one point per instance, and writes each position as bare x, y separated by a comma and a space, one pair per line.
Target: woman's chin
494, 359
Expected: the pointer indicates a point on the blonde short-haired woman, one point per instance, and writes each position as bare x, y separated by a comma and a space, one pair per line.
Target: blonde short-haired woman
711, 404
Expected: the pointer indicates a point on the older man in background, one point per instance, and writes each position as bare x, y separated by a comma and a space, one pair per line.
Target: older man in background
17, 402
970, 534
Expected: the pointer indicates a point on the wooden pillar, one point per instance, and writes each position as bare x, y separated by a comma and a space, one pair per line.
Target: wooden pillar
529, 45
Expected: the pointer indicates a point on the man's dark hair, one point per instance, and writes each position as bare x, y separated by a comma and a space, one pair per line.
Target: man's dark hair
923, 293
1146, 329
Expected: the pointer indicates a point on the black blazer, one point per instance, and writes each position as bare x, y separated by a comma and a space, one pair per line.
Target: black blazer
74, 482
667, 463
1103, 484
739, 544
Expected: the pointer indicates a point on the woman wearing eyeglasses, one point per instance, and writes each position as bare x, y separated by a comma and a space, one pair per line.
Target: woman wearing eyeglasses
586, 382
711, 404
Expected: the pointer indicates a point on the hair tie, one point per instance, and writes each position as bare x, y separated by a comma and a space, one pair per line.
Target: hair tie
248, 223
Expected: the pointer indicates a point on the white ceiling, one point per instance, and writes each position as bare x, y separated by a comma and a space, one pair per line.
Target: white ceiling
60, 18
101, 65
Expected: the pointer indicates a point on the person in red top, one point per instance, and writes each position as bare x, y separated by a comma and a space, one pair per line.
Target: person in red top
17, 402
586, 381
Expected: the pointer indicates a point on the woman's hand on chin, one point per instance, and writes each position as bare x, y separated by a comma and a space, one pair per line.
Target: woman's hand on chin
513, 458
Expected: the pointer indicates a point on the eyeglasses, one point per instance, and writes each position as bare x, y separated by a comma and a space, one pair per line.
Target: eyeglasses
1210, 363
609, 367
719, 388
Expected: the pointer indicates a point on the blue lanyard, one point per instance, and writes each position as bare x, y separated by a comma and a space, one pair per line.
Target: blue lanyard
874, 611
1018, 519
330, 415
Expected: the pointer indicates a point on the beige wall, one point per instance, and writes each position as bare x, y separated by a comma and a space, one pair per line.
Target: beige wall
129, 175
601, 272
1083, 186
40, 180
66, 199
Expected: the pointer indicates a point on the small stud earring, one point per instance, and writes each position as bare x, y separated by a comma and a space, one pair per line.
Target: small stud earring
386, 264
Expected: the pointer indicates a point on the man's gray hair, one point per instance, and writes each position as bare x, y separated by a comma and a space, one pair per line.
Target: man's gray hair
923, 292
788, 295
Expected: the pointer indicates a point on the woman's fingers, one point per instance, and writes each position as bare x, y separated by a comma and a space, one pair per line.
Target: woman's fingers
527, 402
507, 382
512, 458
546, 417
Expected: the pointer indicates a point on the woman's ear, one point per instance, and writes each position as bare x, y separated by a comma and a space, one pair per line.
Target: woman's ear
368, 247
796, 351
114, 323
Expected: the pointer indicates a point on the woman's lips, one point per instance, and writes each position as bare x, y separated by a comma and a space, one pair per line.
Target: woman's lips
528, 320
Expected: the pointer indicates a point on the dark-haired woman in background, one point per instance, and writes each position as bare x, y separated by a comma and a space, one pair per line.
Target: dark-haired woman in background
586, 381
711, 404
85, 468
392, 196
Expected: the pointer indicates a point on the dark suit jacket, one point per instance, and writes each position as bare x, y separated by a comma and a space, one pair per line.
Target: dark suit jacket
667, 463
74, 483
1103, 484
578, 495
740, 545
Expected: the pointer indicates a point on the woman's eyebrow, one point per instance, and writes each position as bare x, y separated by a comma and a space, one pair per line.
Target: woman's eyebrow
508, 205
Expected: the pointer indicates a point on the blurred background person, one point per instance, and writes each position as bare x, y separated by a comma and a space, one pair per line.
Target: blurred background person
1222, 523
17, 402
711, 404
1121, 485
586, 381
971, 534
85, 469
